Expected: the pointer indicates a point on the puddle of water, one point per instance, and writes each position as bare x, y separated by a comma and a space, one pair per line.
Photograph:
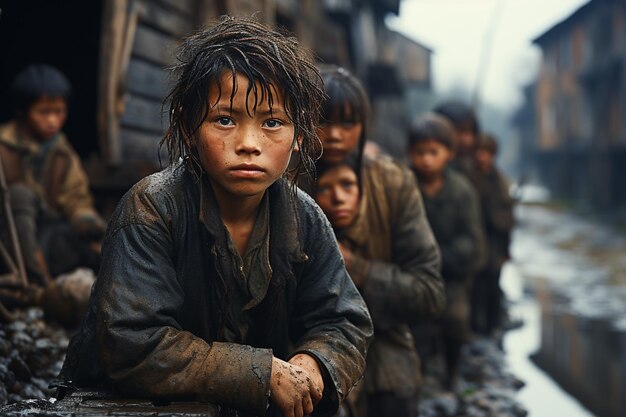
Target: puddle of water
541, 396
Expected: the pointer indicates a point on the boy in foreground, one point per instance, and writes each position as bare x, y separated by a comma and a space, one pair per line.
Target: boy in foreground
220, 281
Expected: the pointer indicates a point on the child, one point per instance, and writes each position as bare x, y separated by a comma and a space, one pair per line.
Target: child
454, 215
221, 282
497, 208
394, 261
466, 130
48, 188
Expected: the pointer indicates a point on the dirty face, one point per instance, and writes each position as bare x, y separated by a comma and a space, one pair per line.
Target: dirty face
484, 159
429, 158
337, 194
340, 137
45, 118
244, 149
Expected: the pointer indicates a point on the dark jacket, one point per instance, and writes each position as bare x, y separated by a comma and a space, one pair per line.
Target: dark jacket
399, 263
497, 209
156, 312
455, 217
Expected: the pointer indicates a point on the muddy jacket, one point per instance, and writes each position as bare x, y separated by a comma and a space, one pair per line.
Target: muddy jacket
455, 217
156, 314
52, 169
399, 263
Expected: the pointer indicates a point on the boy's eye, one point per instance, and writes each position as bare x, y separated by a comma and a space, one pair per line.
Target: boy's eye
348, 184
322, 190
273, 123
225, 121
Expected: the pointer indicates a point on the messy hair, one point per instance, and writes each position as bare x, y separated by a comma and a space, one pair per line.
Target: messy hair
461, 115
273, 63
488, 142
346, 101
431, 126
37, 81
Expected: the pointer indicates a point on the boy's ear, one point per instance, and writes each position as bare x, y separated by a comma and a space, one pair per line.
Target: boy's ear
297, 143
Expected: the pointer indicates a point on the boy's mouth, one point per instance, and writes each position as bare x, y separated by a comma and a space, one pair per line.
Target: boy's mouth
246, 170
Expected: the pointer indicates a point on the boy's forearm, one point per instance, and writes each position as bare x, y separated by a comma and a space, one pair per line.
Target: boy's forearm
181, 365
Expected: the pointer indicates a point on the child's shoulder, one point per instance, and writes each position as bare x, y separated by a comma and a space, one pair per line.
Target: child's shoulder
460, 185
155, 197
386, 173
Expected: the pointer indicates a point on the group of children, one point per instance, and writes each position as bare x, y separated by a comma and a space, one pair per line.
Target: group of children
222, 281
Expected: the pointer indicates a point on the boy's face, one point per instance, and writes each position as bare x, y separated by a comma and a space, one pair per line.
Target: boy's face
339, 138
465, 140
430, 158
337, 194
45, 118
242, 153
484, 159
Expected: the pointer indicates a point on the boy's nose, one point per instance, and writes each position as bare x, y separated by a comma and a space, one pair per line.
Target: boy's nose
338, 195
249, 142
335, 133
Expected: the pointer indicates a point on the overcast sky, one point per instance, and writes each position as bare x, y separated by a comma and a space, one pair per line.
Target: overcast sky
456, 30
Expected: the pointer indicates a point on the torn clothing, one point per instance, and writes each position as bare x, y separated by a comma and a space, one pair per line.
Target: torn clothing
156, 323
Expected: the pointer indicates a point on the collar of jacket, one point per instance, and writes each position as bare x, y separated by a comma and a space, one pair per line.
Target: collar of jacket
11, 135
285, 233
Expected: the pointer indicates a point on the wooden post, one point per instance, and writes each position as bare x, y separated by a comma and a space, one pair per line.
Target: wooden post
8, 212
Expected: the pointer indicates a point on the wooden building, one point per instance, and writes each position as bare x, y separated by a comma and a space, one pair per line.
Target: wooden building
116, 54
580, 105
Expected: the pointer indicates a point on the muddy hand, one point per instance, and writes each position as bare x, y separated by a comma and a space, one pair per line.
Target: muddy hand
292, 389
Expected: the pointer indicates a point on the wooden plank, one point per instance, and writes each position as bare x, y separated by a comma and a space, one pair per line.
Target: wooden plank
147, 79
157, 16
144, 114
141, 146
154, 46
113, 28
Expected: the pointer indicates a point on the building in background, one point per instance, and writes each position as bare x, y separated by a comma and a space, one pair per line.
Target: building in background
578, 144
116, 54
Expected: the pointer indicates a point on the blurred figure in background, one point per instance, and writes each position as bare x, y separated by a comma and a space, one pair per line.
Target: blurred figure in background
392, 256
497, 207
57, 224
454, 215
466, 130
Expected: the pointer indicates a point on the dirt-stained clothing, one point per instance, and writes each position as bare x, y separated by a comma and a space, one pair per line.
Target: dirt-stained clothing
51, 203
399, 262
455, 217
52, 169
160, 307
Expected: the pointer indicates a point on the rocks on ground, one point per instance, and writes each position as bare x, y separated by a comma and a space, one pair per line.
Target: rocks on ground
484, 389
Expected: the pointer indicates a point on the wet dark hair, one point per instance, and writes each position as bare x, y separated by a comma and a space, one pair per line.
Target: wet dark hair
431, 126
346, 102
487, 142
273, 62
462, 116
35, 82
